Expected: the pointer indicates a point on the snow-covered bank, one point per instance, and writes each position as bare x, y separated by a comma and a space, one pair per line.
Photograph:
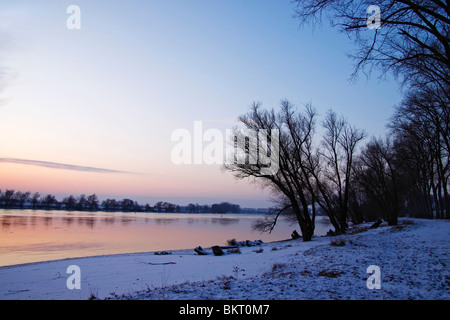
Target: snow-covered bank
413, 261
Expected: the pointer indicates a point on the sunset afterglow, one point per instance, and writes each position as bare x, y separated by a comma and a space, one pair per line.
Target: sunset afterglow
110, 94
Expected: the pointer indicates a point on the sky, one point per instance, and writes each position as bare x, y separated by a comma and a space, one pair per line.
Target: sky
93, 110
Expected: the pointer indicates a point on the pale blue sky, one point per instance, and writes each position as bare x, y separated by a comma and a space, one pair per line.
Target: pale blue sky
110, 95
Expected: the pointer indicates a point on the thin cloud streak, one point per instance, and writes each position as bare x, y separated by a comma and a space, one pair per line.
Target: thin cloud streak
62, 166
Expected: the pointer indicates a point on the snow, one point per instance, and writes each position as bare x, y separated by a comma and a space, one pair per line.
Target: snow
413, 259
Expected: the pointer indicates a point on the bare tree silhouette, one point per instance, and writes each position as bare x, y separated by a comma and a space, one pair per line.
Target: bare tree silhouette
413, 40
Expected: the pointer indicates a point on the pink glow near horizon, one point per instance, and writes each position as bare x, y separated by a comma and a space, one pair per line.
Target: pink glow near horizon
58, 181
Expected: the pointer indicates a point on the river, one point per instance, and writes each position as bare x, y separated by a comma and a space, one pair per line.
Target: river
38, 235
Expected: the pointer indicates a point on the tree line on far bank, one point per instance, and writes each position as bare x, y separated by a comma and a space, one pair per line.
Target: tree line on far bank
11, 199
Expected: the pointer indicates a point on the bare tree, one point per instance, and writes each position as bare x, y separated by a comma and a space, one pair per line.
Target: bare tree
35, 199
7, 197
49, 201
380, 179
81, 203
338, 150
111, 205
421, 122
92, 202
127, 205
292, 184
21, 198
70, 202
413, 40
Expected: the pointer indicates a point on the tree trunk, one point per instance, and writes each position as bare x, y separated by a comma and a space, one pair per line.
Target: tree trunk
447, 202
343, 220
393, 219
335, 222
305, 223
436, 202
307, 231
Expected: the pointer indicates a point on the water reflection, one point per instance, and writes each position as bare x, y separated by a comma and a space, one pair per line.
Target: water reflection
92, 221
68, 219
11, 220
108, 220
225, 221
34, 235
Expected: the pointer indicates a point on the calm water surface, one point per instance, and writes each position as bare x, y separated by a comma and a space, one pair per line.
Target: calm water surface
37, 235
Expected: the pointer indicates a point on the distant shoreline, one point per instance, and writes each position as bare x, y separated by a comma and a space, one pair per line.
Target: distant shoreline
118, 211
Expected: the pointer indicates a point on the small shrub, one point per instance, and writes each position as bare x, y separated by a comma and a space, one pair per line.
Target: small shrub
236, 271
330, 273
305, 272
259, 250
278, 266
226, 282
337, 243
93, 294
309, 252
